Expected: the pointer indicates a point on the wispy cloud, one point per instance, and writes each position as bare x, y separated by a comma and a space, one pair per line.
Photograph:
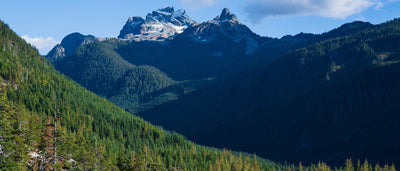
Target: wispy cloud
44, 44
259, 9
379, 5
193, 4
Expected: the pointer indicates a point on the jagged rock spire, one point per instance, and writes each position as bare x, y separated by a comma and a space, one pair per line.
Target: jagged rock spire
226, 15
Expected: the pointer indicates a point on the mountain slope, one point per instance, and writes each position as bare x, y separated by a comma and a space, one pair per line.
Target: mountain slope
92, 132
279, 47
333, 99
90, 60
99, 68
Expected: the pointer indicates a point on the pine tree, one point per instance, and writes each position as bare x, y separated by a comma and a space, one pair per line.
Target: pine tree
392, 167
377, 167
255, 165
300, 167
146, 157
349, 165
365, 166
358, 165
122, 161
139, 164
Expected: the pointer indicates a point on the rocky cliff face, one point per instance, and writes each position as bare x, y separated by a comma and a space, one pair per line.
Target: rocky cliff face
158, 25
68, 46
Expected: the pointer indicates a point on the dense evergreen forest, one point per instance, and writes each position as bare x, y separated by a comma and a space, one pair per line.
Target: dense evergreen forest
49, 122
103, 71
333, 99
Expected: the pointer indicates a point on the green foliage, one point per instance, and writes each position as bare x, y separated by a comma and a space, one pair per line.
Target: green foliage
99, 68
12, 131
92, 133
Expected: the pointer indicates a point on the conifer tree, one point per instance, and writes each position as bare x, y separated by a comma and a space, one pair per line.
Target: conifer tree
365, 166
139, 164
300, 167
349, 165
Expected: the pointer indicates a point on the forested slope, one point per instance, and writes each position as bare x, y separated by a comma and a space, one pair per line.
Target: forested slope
92, 133
99, 68
334, 99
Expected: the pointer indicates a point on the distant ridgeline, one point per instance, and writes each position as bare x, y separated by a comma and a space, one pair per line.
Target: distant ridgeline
307, 97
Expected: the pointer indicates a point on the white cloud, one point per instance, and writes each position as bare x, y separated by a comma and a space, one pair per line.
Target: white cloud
258, 9
193, 4
43, 44
379, 5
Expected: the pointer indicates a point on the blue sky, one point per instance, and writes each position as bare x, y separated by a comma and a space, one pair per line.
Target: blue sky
44, 23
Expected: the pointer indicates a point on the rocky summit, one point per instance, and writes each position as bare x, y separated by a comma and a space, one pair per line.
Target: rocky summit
222, 29
226, 15
158, 25
68, 45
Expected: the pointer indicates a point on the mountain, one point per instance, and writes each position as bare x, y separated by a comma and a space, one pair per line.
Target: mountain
333, 99
91, 133
68, 46
223, 29
158, 25
201, 51
161, 70
307, 97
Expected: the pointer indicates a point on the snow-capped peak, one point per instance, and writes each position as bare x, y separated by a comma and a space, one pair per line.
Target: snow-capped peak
167, 9
162, 23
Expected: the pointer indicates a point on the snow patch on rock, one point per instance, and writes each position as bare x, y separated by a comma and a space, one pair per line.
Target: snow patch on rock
158, 25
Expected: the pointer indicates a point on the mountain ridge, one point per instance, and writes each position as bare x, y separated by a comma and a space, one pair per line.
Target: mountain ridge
224, 27
104, 79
